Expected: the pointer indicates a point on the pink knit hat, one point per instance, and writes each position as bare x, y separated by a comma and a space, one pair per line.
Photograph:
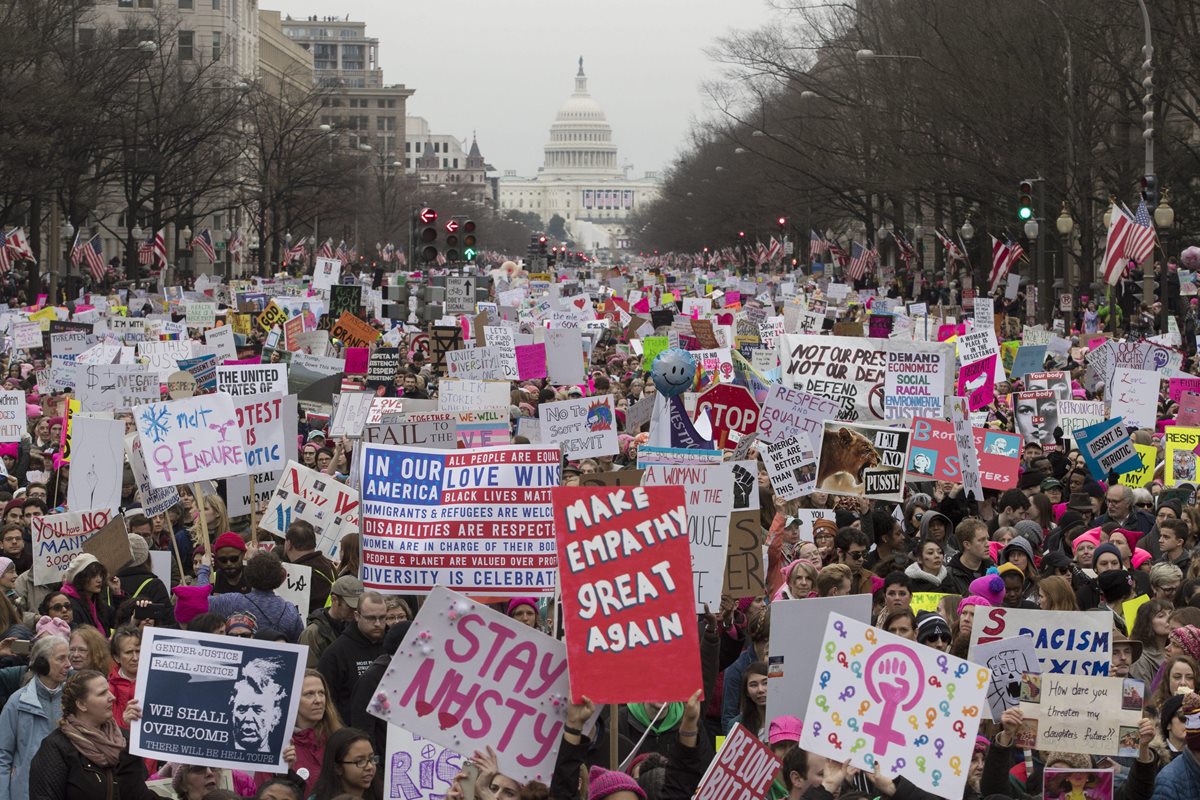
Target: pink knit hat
52, 626
973, 600
1140, 557
605, 782
1189, 639
989, 586
191, 602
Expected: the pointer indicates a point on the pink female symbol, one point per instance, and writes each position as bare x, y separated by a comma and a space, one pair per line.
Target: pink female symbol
895, 678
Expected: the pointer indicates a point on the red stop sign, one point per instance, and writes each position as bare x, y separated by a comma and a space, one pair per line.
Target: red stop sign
731, 408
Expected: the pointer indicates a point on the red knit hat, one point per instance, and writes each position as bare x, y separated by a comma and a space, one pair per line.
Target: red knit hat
229, 539
605, 782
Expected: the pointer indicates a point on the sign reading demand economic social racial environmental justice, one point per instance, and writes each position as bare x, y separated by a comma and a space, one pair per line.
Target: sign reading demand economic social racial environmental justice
623, 561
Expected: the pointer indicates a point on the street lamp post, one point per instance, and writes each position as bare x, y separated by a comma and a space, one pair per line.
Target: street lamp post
1066, 226
1164, 220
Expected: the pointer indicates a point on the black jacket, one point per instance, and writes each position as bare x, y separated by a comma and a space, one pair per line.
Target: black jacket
360, 698
81, 614
960, 578
323, 576
60, 772
147, 586
344, 663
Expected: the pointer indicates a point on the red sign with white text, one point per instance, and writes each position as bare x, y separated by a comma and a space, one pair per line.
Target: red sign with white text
731, 408
625, 569
743, 768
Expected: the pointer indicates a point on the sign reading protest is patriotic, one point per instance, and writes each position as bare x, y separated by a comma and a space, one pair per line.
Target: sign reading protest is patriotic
216, 701
193, 439
1067, 642
467, 677
744, 767
870, 685
57, 538
479, 520
628, 607
330, 506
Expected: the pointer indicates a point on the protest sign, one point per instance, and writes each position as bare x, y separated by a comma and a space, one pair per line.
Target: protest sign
1035, 416
383, 368
417, 769
791, 412
57, 538
977, 382
297, 587
325, 273
531, 361
330, 506
1133, 395
13, 426
964, 444
243, 379
110, 546
582, 428
467, 395
791, 467
792, 659
564, 356
934, 454
1177, 386
710, 501
353, 332
381, 407
222, 339
627, 600
1074, 414
732, 411
97, 461
486, 428
163, 357
479, 520
154, 501
743, 768
848, 370
745, 565
1080, 713
350, 412
1031, 358
201, 315
1144, 474
468, 677
874, 689
1007, 660
1179, 460
1106, 448
915, 383
432, 430
863, 460
216, 701
1067, 642
977, 345
476, 363
190, 440
271, 316
203, 369
1189, 410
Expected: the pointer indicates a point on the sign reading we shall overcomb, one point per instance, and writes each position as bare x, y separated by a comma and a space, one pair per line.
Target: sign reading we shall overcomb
479, 521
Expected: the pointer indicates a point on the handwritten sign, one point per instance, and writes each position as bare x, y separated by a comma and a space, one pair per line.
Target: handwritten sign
1007, 660
1067, 642
57, 538
582, 428
791, 412
12, 416
1079, 713
193, 439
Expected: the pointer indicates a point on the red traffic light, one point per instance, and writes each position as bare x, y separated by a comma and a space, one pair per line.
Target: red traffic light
782, 221
741, 234
469, 226
541, 240
451, 226
427, 215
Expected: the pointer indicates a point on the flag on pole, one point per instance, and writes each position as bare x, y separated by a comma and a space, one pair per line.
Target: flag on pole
1001, 262
204, 241
953, 251
1139, 246
20, 245
160, 248
1119, 226
297, 250
76, 250
5, 255
839, 255
775, 250
93, 251
816, 245
235, 245
326, 250
146, 252
860, 259
340, 254
908, 253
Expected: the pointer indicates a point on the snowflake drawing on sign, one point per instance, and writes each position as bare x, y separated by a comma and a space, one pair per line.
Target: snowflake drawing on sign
156, 420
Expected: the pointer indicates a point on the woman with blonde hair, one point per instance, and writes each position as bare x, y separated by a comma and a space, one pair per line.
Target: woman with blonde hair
89, 649
215, 514
1055, 594
316, 720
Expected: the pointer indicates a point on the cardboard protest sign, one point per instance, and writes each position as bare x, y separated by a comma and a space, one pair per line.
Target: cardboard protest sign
1133, 395
353, 332
564, 356
330, 506
1074, 414
154, 500
466, 677
934, 455
1179, 458
476, 363
790, 412
791, 467
222, 339
110, 545
216, 701
744, 768
582, 428
915, 383
977, 382
57, 538
863, 460
1067, 642
297, 587
468, 395
845, 369
433, 430
873, 702
1080, 713
1144, 474
97, 461
417, 768
745, 565
191, 440
479, 520
1007, 660
795, 626
350, 412
627, 600
12, 416
236, 380
1106, 448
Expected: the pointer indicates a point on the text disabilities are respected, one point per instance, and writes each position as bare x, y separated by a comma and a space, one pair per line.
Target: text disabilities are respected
625, 572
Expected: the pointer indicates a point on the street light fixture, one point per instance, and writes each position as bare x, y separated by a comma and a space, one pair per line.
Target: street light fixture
1031, 229
871, 55
137, 232
1065, 223
148, 46
761, 133
967, 230
1164, 215
740, 150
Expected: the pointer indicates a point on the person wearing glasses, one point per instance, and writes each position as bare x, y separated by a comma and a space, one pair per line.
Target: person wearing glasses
58, 605
933, 630
359, 644
349, 767
1121, 510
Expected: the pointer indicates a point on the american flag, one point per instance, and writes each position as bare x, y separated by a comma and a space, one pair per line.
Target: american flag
5, 256
235, 245
341, 254
76, 250
326, 250
204, 241
146, 252
839, 255
908, 253
775, 250
1139, 245
159, 248
296, 251
1114, 245
953, 251
20, 245
1001, 261
93, 251
816, 245
860, 259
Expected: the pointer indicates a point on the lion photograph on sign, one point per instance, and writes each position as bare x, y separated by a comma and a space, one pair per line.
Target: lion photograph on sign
863, 460
845, 453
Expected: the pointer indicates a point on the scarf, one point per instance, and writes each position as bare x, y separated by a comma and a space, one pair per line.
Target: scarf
102, 746
70, 590
671, 716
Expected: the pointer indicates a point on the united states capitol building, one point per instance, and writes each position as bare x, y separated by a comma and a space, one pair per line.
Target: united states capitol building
581, 178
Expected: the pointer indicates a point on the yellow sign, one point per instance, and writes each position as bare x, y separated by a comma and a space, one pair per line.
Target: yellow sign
1179, 460
1142, 477
1130, 608
926, 601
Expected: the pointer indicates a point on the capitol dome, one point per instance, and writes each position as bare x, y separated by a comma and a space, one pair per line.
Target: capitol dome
581, 141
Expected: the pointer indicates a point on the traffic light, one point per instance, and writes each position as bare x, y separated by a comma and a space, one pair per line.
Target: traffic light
1025, 201
452, 253
542, 245
427, 235
1150, 191
782, 222
470, 247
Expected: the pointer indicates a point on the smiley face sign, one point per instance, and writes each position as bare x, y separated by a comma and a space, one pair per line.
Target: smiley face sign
673, 371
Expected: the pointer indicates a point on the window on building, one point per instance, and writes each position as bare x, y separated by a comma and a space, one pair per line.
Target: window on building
187, 45
216, 46
445, 163
456, 163
408, 147
187, 5
408, 163
87, 38
216, 5
437, 147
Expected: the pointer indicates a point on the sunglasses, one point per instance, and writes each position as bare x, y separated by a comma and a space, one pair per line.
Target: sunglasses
229, 559
59, 607
858, 555
937, 637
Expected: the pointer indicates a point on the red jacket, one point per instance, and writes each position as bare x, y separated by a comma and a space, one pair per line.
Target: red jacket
122, 689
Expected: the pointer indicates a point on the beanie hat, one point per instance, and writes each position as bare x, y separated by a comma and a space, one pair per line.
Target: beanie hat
78, 564
973, 600
1073, 760
605, 782
1140, 557
929, 625
52, 626
16, 502
517, 602
190, 602
1191, 709
1132, 537
1189, 639
989, 586
5, 564
139, 550
1008, 567
229, 539
824, 525
1107, 547
1115, 585
241, 620
1092, 536
1031, 532
982, 743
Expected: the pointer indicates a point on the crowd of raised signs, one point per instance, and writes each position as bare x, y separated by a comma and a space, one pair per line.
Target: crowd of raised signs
529, 537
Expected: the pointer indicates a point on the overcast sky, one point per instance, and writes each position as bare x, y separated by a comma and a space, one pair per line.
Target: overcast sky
504, 67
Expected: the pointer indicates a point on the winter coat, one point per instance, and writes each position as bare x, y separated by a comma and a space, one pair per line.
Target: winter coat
23, 726
122, 689
268, 608
360, 698
140, 581
922, 581
344, 663
321, 632
81, 611
960, 578
60, 772
1179, 779
310, 752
